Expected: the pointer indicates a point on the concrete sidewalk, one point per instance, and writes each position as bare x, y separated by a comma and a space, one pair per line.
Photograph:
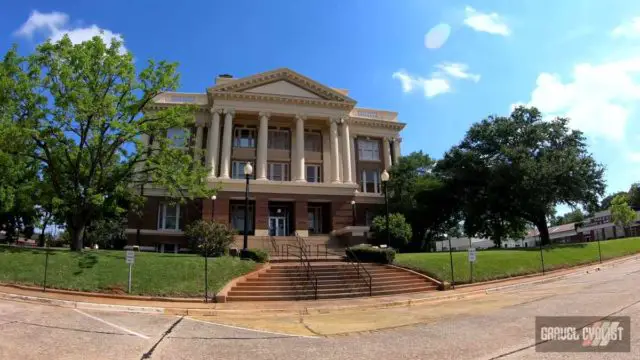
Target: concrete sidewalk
194, 308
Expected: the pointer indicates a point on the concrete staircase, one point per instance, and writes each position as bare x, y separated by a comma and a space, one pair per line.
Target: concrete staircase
334, 280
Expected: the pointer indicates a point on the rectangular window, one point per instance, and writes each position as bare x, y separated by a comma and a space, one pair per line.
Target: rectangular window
368, 217
370, 181
278, 171
368, 150
244, 137
237, 217
312, 142
237, 170
178, 137
169, 217
279, 139
313, 173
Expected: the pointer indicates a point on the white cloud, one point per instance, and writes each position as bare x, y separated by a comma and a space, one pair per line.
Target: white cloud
630, 29
491, 23
458, 70
56, 24
598, 99
634, 156
431, 86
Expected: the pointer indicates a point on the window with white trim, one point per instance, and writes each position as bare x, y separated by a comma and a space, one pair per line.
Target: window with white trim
368, 150
244, 137
237, 217
279, 139
178, 137
278, 171
169, 217
312, 142
313, 173
237, 170
371, 181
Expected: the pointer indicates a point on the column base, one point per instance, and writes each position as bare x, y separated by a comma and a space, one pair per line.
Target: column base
301, 180
261, 232
262, 179
336, 182
302, 233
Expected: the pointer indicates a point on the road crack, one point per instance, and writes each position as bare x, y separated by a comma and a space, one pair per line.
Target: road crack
148, 354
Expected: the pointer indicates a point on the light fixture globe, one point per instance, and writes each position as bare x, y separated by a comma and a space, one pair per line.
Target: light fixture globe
384, 176
213, 197
248, 169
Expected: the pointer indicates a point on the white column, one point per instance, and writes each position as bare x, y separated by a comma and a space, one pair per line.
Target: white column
300, 176
225, 162
396, 149
354, 176
213, 138
346, 152
386, 153
263, 138
335, 163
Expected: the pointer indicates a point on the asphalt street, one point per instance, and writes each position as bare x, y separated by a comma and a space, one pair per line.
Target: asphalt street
499, 325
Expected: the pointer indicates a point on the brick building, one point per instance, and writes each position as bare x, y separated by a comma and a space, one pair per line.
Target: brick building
313, 153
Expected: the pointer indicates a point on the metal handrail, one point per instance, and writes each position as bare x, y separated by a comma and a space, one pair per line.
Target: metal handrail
357, 265
311, 276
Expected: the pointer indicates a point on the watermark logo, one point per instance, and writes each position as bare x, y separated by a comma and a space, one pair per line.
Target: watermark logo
583, 334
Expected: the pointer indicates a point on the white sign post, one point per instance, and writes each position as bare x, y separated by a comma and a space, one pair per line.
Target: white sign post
472, 259
131, 257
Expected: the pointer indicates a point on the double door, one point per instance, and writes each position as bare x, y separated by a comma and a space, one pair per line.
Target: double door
278, 225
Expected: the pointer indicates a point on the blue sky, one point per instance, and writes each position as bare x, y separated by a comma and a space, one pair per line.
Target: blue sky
579, 58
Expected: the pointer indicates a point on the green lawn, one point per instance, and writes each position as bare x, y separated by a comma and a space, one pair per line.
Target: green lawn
106, 271
496, 264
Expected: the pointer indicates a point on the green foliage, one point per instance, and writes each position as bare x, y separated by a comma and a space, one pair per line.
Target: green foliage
574, 216
81, 112
257, 255
365, 253
209, 238
511, 171
621, 213
107, 233
605, 204
634, 196
399, 230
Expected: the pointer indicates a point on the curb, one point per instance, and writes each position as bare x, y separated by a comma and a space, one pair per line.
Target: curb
82, 305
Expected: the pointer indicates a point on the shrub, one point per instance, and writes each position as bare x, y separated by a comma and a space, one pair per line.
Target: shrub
209, 237
257, 255
400, 230
365, 253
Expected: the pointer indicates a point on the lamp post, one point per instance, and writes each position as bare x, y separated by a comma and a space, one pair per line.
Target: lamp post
385, 178
446, 236
213, 204
248, 170
353, 212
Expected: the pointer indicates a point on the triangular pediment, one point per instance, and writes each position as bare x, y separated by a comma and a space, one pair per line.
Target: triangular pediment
283, 83
283, 88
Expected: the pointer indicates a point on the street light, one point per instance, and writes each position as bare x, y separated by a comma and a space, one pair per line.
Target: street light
353, 212
213, 204
248, 170
446, 236
385, 178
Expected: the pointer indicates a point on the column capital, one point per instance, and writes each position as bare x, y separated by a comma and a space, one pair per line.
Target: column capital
200, 124
301, 116
215, 110
397, 139
229, 111
335, 120
264, 114
345, 119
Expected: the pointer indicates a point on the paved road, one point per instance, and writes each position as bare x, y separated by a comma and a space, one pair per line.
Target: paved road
498, 325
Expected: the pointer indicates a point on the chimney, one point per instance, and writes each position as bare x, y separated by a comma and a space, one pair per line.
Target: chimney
224, 78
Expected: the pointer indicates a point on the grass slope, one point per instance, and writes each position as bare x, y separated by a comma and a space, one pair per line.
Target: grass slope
496, 264
106, 271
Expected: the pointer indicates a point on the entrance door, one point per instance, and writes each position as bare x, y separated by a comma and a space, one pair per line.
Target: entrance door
277, 226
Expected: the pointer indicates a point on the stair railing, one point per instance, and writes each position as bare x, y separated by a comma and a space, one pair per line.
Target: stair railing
310, 275
360, 269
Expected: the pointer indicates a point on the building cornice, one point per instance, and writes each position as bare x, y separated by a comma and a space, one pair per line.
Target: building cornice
397, 126
225, 95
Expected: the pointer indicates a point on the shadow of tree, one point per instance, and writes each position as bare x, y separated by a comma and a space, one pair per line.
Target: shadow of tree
85, 261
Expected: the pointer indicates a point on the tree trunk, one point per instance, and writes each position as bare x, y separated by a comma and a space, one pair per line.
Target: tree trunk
41, 242
76, 238
543, 229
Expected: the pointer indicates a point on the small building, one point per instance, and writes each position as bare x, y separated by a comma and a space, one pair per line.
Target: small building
463, 243
601, 227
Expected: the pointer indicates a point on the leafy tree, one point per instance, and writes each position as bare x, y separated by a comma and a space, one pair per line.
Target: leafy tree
399, 230
209, 237
574, 216
621, 213
107, 233
605, 204
634, 196
81, 112
514, 170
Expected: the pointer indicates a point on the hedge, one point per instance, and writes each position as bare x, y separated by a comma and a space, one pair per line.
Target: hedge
371, 254
257, 255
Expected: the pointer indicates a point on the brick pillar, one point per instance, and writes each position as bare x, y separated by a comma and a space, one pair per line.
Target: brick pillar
206, 209
301, 218
262, 216
341, 214
220, 211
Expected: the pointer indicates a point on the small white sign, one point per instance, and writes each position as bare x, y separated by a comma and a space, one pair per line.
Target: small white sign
472, 255
131, 256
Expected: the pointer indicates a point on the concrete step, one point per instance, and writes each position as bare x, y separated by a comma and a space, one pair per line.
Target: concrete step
289, 284
323, 277
311, 296
344, 271
309, 289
